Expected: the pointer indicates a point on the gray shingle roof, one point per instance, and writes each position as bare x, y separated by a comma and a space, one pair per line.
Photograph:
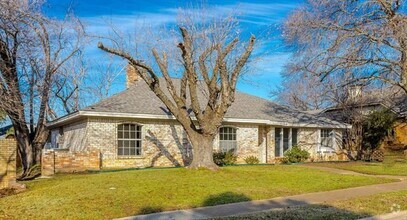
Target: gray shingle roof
139, 99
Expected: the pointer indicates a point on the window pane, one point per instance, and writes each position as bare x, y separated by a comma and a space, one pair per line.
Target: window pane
227, 139
286, 135
138, 144
129, 143
326, 140
277, 140
133, 151
294, 136
278, 131
120, 151
126, 151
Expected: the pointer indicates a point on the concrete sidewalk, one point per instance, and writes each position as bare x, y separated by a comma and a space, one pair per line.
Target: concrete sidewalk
269, 204
349, 172
391, 216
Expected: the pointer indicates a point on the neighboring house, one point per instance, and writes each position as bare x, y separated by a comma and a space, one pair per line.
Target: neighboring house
135, 129
4, 132
365, 103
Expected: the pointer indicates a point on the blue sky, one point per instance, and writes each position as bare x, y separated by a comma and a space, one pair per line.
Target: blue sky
255, 16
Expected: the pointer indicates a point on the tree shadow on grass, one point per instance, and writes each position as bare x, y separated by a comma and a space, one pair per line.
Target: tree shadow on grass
225, 198
279, 209
150, 209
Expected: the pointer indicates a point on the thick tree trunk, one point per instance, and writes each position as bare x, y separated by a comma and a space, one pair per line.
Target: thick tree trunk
24, 149
202, 152
29, 146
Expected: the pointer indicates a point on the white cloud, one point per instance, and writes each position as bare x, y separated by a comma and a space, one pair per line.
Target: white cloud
253, 15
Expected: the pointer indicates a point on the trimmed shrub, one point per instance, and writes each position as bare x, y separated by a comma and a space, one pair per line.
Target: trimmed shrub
296, 155
224, 158
252, 160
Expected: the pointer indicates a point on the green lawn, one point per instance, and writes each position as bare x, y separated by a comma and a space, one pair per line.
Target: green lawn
394, 164
116, 194
349, 209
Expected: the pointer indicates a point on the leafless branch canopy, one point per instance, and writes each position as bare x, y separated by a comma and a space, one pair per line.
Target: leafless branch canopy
208, 58
367, 38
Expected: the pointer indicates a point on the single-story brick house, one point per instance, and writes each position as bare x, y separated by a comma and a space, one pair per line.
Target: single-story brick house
134, 129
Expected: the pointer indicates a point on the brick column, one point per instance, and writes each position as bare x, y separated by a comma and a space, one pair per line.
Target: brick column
8, 151
270, 144
47, 162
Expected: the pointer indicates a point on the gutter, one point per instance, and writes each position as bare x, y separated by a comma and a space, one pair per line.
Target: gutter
80, 114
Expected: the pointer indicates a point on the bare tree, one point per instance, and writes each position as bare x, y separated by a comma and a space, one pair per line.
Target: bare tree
367, 38
102, 78
33, 48
211, 60
304, 92
3, 116
68, 82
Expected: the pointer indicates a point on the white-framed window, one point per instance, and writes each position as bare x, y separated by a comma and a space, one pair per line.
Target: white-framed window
327, 144
227, 139
285, 138
129, 140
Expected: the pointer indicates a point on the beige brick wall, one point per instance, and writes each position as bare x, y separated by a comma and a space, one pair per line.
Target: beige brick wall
65, 161
308, 139
8, 151
164, 143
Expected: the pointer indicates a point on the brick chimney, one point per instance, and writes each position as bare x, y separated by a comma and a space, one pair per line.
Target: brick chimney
355, 92
131, 76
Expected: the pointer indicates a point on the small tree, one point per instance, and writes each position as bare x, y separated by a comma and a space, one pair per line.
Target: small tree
211, 62
376, 127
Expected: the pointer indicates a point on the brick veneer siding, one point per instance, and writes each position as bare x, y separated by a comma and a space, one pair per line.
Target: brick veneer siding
8, 152
164, 143
308, 139
65, 161
247, 141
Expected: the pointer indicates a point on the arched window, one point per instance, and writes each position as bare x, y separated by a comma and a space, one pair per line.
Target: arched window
227, 139
128, 140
